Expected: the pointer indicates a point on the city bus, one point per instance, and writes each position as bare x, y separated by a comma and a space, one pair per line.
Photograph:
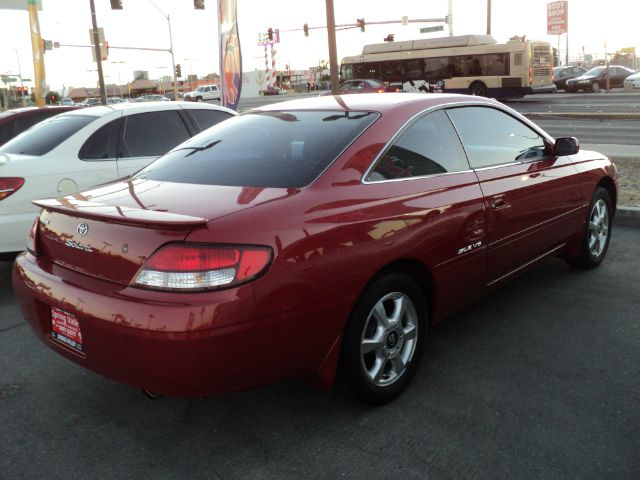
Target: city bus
472, 64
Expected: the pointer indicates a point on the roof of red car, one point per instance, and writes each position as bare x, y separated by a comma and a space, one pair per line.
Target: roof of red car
378, 102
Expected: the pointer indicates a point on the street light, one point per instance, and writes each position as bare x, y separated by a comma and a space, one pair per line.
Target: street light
173, 60
24, 100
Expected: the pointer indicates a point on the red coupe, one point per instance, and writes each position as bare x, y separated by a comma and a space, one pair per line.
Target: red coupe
306, 237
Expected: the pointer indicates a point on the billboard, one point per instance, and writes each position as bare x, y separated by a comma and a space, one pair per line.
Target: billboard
230, 55
557, 18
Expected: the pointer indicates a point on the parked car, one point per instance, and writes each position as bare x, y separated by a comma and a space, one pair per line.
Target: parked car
364, 86
13, 122
152, 97
308, 236
86, 147
562, 74
270, 90
113, 100
632, 82
203, 93
594, 80
90, 102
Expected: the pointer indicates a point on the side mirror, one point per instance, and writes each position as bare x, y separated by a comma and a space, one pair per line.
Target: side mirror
566, 146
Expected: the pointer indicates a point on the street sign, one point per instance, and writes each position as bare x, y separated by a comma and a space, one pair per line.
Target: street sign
439, 28
100, 36
557, 17
628, 50
7, 79
48, 45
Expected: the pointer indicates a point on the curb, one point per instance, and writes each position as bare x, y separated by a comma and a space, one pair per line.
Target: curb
627, 216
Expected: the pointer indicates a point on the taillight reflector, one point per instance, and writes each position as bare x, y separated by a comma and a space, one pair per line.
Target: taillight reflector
191, 267
32, 239
9, 185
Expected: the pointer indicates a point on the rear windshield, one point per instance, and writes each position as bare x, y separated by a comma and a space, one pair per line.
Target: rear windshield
287, 149
44, 136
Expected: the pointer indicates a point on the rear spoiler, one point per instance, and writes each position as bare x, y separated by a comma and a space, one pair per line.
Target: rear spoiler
136, 217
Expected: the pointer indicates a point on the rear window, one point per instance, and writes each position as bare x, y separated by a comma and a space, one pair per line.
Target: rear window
287, 149
46, 135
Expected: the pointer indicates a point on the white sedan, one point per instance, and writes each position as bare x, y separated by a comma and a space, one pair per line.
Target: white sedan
632, 82
82, 148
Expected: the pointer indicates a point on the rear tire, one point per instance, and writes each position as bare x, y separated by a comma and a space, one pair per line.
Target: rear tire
478, 88
198, 99
595, 241
384, 339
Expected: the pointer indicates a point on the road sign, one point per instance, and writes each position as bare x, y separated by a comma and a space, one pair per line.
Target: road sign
100, 36
628, 50
439, 28
7, 79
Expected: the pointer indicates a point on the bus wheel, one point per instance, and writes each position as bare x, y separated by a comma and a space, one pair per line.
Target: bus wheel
478, 88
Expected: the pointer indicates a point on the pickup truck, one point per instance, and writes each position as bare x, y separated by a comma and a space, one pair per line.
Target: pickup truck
202, 93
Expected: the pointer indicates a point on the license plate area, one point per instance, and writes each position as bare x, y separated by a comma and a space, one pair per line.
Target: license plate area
65, 329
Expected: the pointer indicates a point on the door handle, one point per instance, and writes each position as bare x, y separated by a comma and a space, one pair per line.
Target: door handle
498, 203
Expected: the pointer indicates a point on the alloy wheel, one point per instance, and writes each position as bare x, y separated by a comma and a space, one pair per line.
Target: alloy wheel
598, 228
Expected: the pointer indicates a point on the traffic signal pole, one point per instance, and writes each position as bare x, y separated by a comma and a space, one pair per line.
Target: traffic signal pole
38, 53
96, 46
333, 52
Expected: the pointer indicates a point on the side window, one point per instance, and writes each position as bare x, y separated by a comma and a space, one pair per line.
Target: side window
26, 122
103, 143
208, 118
152, 134
491, 137
429, 146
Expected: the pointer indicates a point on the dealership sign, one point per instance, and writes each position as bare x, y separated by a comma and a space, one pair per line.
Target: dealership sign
557, 17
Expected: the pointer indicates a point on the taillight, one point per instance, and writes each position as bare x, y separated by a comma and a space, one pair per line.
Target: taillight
530, 75
192, 267
8, 185
32, 239
381, 90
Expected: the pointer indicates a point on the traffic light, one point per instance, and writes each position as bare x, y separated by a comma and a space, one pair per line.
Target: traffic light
361, 24
178, 71
104, 51
198, 4
270, 34
116, 4
305, 27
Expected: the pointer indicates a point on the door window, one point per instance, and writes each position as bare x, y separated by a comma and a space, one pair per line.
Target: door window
208, 118
152, 134
429, 146
103, 143
491, 137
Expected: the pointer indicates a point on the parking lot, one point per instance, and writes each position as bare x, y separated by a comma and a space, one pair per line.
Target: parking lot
539, 380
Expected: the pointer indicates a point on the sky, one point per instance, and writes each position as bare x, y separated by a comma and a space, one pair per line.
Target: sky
592, 25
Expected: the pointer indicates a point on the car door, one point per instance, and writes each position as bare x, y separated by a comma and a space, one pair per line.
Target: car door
532, 198
425, 177
147, 136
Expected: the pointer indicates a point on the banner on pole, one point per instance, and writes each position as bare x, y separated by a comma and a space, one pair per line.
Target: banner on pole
230, 54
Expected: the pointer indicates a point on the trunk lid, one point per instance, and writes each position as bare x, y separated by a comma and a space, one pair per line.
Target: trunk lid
110, 231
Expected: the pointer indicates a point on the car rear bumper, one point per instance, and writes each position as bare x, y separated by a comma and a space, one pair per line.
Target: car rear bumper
189, 348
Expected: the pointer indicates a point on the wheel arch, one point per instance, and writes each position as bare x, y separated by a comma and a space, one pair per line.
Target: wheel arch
610, 186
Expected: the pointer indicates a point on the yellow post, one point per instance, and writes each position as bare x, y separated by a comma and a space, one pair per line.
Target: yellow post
38, 53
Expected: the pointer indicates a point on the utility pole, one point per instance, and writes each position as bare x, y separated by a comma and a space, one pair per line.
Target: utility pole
450, 18
333, 53
98, 50
488, 17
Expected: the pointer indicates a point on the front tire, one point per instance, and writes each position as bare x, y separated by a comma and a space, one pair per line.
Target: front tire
595, 241
384, 339
595, 87
198, 99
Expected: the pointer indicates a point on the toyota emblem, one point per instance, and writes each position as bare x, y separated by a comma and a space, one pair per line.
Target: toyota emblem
83, 229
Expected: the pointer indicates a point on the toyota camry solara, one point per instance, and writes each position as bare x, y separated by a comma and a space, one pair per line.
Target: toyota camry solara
305, 238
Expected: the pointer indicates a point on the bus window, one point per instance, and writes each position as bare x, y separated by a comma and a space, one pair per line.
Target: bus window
346, 72
413, 70
366, 70
391, 71
437, 68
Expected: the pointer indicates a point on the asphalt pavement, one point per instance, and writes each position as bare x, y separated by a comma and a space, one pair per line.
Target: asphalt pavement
540, 380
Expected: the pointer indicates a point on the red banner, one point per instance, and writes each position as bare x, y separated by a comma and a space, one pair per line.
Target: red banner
557, 18
230, 54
